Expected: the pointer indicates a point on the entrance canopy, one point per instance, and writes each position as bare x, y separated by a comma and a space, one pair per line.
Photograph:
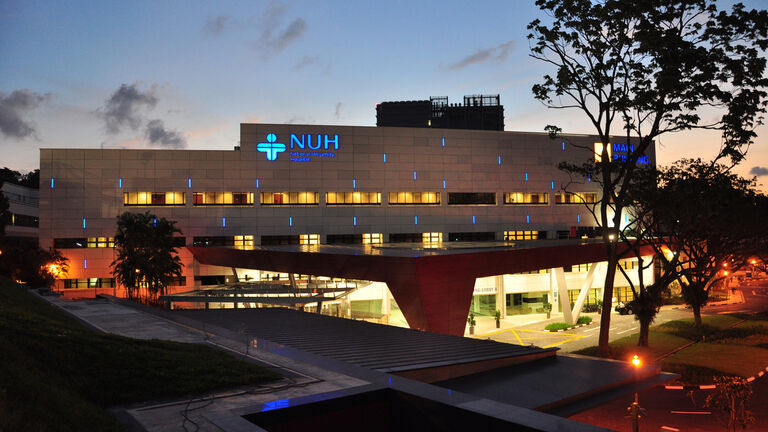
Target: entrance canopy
432, 286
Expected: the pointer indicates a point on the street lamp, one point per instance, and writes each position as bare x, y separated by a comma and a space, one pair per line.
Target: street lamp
634, 409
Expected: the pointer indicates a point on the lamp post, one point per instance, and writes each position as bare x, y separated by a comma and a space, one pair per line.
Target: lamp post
634, 409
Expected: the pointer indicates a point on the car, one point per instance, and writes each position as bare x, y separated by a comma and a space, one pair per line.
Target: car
625, 308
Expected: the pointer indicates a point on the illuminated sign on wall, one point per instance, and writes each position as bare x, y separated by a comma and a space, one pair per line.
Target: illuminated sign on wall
272, 148
619, 153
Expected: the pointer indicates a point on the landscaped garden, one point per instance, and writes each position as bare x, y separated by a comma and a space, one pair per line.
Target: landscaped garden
54, 371
734, 345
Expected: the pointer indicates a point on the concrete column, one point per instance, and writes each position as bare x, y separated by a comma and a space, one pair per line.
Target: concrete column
386, 306
501, 295
562, 292
584, 292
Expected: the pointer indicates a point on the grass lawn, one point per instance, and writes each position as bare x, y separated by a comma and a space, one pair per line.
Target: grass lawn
56, 374
729, 349
659, 343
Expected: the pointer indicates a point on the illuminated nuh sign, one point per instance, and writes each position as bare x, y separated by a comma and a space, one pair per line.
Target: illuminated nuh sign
272, 148
619, 153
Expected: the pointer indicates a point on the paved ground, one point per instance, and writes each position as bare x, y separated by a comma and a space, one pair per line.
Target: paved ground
516, 330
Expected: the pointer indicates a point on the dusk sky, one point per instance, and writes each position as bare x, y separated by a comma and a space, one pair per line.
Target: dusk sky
185, 74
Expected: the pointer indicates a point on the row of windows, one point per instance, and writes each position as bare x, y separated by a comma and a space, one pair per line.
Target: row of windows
351, 198
24, 220
110, 282
99, 242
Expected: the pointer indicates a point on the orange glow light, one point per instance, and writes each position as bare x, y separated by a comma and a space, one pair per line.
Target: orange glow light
636, 360
725, 273
753, 261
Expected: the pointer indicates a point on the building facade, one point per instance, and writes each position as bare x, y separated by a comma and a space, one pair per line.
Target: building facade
313, 184
23, 208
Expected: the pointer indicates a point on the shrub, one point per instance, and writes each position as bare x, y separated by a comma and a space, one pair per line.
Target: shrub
584, 320
557, 326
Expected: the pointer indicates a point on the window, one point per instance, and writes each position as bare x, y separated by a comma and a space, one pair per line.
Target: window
575, 197
344, 239
154, 198
219, 241
70, 243
89, 283
522, 235
24, 220
101, 242
211, 280
244, 242
471, 198
432, 237
414, 198
472, 236
276, 240
526, 198
290, 198
309, 239
406, 237
577, 268
372, 238
222, 198
628, 264
353, 198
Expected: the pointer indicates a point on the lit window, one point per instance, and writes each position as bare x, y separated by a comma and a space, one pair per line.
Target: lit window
309, 239
521, 235
526, 198
353, 198
244, 242
222, 198
154, 198
432, 237
372, 238
575, 197
599, 151
414, 198
628, 264
101, 242
290, 198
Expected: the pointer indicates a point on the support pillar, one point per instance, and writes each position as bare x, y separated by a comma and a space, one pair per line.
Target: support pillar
562, 293
501, 295
584, 291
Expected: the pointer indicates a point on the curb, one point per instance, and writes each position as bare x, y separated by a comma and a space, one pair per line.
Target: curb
711, 386
569, 328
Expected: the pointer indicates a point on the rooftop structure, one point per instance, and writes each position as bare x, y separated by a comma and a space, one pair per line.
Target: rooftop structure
481, 112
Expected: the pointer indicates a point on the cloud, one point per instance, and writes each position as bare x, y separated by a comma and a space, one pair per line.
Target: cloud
307, 61
215, 25
124, 105
498, 53
273, 39
759, 171
12, 109
159, 135
338, 110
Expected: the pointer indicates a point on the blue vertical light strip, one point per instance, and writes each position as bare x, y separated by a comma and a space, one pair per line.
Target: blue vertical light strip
552, 184
563, 145
499, 159
154, 222
223, 222
51, 182
385, 158
589, 178
354, 220
526, 176
414, 174
527, 219
578, 217
443, 183
473, 219
354, 183
415, 220
120, 183
257, 183
83, 223
290, 220
189, 182
443, 141
626, 217
85, 263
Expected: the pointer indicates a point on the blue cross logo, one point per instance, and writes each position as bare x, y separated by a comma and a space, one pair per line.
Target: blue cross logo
271, 147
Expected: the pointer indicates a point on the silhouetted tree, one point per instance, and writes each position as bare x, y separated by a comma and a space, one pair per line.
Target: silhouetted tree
24, 260
642, 69
730, 402
146, 254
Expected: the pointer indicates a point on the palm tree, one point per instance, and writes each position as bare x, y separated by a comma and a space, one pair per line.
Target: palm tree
146, 255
